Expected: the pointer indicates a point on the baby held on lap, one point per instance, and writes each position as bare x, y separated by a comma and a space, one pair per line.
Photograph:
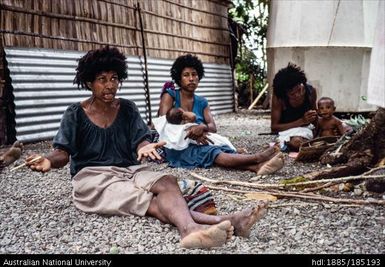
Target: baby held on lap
173, 127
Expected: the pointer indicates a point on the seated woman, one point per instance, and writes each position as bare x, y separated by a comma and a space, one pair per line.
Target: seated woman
187, 71
104, 138
293, 109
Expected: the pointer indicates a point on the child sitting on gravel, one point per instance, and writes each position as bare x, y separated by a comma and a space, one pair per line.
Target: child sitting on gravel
328, 124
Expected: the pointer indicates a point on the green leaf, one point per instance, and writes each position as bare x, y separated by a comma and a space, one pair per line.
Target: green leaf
297, 179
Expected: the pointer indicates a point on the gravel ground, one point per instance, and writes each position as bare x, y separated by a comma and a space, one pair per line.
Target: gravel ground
37, 214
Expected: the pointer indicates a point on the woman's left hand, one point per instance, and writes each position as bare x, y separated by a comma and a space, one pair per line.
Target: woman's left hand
195, 132
199, 134
204, 140
150, 151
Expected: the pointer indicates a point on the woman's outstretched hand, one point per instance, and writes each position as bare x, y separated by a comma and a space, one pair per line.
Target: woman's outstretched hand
38, 163
149, 150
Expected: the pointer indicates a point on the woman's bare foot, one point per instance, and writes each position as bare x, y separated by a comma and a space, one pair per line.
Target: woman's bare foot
266, 154
230, 233
214, 236
274, 164
12, 154
244, 220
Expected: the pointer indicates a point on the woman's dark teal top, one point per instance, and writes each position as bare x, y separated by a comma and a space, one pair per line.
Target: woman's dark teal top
202, 156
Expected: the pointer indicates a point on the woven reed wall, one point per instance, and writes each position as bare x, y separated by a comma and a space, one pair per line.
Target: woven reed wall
171, 27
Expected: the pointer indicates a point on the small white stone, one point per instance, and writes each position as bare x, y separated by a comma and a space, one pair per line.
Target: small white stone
357, 191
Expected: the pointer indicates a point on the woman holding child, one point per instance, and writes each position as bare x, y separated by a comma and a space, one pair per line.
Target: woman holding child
187, 71
294, 113
293, 110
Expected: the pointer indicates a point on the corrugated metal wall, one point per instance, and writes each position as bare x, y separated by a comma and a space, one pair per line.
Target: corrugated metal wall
42, 86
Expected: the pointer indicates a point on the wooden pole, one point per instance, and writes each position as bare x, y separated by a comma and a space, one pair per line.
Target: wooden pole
258, 97
145, 71
251, 85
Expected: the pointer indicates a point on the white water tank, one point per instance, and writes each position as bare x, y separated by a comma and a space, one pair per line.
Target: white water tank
331, 40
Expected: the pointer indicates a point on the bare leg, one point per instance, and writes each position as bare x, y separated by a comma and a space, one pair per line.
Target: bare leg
240, 160
271, 162
242, 221
169, 206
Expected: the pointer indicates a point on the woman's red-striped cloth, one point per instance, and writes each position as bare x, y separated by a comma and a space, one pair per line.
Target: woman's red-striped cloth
197, 196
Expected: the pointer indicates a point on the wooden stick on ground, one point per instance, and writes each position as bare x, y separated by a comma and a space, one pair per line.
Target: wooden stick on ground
305, 196
253, 185
341, 179
373, 170
317, 187
280, 186
24, 164
311, 204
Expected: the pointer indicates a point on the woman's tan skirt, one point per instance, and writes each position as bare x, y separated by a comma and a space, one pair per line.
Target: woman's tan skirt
114, 190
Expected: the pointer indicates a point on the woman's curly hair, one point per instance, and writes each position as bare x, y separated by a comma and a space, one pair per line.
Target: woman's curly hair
97, 61
186, 61
287, 78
